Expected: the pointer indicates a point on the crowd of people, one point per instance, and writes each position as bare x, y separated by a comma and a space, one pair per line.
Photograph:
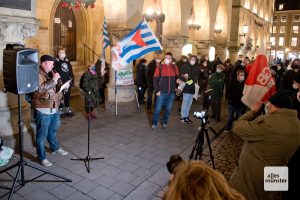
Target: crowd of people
271, 132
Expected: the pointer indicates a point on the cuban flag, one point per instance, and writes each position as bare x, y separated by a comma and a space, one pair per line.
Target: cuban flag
105, 36
137, 43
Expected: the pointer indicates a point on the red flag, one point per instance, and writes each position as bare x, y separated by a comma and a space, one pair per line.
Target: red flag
259, 85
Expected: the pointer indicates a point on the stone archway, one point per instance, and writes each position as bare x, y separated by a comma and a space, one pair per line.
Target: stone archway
82, 29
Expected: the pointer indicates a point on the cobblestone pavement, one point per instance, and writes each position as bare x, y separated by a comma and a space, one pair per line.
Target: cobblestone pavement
134, 157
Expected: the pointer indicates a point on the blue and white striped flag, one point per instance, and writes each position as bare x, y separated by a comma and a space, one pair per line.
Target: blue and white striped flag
137, 43
106, 40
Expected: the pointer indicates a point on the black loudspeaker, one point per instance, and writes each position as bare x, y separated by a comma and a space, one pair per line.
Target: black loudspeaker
20, 70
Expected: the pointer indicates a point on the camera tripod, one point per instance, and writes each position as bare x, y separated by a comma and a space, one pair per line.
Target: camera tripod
22, 163
88, 158
197, 150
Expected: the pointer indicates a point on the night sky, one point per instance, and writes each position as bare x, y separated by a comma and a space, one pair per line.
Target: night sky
288, 4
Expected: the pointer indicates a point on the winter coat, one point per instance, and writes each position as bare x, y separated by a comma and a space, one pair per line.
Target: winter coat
192, 72
150, 73
90, 87
46, 96
234, 92
203, 75
64, 68
269, 140
216, 83
141, 75
164, 79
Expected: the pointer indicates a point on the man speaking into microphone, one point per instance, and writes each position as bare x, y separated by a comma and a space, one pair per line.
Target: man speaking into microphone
46, 101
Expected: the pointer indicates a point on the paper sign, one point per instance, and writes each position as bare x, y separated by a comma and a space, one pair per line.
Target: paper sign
57, 20
70, 24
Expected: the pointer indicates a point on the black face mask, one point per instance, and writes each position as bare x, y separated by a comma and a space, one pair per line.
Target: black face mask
296, 66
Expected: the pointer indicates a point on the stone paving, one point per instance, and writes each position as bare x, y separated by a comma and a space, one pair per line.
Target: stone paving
134, 157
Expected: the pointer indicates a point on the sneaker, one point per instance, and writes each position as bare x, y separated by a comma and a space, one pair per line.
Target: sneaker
188, 120
153, 127
61, 152
165, 126
227, 130
69, 112
183, 120
46, 163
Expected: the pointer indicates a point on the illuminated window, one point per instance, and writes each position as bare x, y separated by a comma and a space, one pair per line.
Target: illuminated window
294, 42
281, 41
272, 40
281, 6
295, 29
283, 18
282, 29
274, 18
274, 29
296, 18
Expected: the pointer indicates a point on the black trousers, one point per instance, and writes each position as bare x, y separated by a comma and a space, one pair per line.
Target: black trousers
102, 95
67, 96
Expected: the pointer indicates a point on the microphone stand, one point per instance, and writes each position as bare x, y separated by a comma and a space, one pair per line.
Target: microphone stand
88, 158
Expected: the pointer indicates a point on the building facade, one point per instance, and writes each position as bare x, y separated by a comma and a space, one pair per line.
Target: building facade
228, 28
284, 39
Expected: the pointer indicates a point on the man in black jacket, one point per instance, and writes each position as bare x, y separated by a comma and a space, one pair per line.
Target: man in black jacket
234, 95
149, 77
63, 66
188, 74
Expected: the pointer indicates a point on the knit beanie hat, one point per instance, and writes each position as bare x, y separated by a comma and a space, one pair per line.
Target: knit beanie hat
282, 99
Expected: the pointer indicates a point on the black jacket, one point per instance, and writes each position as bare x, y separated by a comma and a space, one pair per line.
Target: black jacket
150, 73
64, 68
234, 93
193, 75
141, 75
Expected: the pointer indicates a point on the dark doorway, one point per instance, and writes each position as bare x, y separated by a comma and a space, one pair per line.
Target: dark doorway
65, 31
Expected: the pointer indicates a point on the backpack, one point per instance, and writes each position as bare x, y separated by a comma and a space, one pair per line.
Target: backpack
81, 81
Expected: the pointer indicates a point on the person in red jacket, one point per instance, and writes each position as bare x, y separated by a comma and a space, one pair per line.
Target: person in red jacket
164, 82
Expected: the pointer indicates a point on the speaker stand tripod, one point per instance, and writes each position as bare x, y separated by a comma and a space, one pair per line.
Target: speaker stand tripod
88, 158
22, 163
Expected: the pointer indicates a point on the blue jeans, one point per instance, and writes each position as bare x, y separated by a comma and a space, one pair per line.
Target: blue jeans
46, 127
238, 110
187, 101
164, 99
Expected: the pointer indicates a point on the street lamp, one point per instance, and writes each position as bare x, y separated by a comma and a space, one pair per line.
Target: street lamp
217, 30
152, 14
245, 31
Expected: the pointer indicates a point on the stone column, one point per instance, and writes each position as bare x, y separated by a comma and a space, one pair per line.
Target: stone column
174, 44
126, 102
13, 29
203, 46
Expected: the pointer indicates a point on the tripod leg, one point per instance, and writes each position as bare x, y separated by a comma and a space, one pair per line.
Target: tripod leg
194, 148
210, 150
14, 184
48, 172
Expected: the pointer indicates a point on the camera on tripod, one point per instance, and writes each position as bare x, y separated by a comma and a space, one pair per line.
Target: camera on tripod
203, 116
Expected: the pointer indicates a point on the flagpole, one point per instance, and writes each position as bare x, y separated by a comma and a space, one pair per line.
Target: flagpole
116, 92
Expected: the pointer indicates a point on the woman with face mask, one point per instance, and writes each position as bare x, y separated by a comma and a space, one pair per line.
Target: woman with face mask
91, 90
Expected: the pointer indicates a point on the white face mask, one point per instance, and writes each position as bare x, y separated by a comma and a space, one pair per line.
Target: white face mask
157, 60
266, 108
295, 86
243, 64
193, 62
219, 70
242, 78
167, 61
62, 56
278, 67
